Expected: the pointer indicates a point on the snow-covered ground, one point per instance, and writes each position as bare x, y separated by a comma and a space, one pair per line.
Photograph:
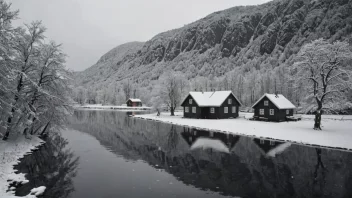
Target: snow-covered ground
104, 107
337, 129
10, 153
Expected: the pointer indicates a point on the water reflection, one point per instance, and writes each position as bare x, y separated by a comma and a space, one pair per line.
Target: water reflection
209, 140
228, 164
53, 166
271, 148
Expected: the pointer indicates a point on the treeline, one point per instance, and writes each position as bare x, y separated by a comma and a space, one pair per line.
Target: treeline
34, 83
250, 81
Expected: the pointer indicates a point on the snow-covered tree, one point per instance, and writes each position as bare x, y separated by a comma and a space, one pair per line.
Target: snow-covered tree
171, 90
321, 67
127, 89
48, 95
34, 84
91, 96
7, 73
26, 59
80, 95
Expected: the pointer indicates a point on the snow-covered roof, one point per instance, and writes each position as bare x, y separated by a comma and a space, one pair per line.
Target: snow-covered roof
279, 149
278, 100
206, 143
135, 100
210, 99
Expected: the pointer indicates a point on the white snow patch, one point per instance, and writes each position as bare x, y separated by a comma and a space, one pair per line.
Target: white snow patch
336, 129
10, 153
38, 191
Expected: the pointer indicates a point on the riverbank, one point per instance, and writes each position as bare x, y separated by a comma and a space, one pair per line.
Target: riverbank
336, 131
11, 152
105, 107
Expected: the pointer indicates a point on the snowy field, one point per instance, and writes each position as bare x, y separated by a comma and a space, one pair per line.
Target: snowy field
101, 107
10, 153
337, 129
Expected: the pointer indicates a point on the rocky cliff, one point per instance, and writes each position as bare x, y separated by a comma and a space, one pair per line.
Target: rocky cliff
247, 40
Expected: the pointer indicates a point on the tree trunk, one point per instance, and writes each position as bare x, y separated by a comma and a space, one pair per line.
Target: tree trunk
42, 134
317, 120
172, 110
9, 120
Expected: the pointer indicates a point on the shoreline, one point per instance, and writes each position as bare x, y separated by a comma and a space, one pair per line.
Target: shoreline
112, 107
11, 152
335, 134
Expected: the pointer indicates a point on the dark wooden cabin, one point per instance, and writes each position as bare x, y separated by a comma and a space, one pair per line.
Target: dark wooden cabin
211, 105
134, 102
273, 107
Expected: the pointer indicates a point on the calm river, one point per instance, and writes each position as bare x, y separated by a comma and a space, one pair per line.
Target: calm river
106, 154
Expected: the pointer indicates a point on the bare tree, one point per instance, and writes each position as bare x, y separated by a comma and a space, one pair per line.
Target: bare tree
171, 91
322, 69
127, 89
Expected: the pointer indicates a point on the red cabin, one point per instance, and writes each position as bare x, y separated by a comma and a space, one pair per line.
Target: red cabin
134, 102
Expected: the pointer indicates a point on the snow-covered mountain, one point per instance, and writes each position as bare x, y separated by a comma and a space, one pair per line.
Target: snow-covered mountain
108, 64
247, 49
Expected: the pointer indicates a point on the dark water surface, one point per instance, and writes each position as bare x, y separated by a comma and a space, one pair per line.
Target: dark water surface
106, 154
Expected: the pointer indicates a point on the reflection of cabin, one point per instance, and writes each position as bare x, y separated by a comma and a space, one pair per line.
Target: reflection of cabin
273, 107
208, 139
211, 105
134, 102
271, 147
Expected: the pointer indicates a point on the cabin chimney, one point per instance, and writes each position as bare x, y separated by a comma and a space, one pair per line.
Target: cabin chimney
276, 94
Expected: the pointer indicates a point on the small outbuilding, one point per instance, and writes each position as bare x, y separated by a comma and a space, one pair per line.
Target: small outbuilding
211, 105
273, 107
134, 102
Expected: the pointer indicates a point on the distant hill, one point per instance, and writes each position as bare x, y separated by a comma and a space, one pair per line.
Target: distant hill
107, 63
247, 49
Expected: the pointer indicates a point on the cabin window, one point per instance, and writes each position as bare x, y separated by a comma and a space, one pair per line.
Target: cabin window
271, 111
272, 143
226, 109
266, 103
212, 110
230, 101
261, 111
194, 110
287, 112
190, 101
234, 109
261, 141
186, 109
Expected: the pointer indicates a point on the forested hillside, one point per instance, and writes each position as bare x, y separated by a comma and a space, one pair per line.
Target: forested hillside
246, 49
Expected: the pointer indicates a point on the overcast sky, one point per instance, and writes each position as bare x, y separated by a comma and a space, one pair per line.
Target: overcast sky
89, 28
